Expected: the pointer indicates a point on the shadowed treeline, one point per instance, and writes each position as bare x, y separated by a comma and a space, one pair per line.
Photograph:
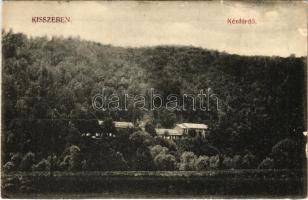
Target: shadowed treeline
222, 183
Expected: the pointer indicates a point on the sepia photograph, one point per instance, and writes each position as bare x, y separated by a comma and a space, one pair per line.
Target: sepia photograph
153, 99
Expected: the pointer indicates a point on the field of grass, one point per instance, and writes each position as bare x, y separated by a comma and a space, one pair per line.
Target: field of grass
219, 183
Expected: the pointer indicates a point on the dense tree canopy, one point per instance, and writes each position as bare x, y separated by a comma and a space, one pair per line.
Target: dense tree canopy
48, 86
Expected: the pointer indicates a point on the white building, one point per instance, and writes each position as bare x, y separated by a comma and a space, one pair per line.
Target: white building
119, 125
184, 128
168, 133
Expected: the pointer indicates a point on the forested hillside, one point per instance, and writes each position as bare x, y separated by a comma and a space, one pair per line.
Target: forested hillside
48, 86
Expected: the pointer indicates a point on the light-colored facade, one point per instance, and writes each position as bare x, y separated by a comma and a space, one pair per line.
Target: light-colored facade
123, 125
168, 133
184, 128
178, 132
119, 125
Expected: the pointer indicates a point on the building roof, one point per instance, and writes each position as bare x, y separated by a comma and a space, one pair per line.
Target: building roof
163, 131
123, 124
192, 126
119, 124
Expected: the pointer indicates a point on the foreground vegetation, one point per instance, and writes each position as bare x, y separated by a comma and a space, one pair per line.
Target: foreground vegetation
214, 183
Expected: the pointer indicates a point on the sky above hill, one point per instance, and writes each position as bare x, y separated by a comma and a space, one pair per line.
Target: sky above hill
280, 29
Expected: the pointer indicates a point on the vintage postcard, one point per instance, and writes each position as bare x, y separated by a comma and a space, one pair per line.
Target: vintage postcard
154, 99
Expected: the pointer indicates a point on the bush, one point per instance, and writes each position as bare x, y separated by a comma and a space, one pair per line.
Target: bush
157, 149
27, 162
71, 159
202, 163
227, 163
267, 163
64, 164
140, 138
236, 162
162, 159
286, 154
74, 158
166, 143
9, 166
248, 161
52, 162
144, 159
16, 159
214, 162
165, 162
43, 165
188, 160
